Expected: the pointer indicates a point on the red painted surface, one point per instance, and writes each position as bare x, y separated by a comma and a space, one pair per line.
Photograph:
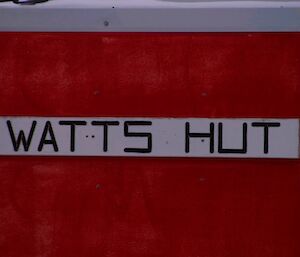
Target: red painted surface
52, 207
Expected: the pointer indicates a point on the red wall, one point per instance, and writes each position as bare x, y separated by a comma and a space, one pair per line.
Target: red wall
127, 207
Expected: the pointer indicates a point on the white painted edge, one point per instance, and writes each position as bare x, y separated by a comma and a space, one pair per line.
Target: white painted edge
299, 140
152, 16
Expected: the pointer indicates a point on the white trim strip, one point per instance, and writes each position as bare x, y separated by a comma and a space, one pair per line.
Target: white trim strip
152, 16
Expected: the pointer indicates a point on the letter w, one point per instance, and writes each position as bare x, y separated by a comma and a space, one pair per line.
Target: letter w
21, 137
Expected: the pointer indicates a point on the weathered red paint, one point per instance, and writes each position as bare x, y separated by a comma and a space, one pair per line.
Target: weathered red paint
119, 207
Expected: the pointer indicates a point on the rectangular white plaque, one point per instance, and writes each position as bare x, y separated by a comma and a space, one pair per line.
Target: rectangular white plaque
149, 137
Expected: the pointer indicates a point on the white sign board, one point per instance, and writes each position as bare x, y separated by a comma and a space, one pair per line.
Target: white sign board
149, 137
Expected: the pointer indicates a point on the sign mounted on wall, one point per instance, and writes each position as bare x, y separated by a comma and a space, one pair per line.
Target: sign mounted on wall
150, 137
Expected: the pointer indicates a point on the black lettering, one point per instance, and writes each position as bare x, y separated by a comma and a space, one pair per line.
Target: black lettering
227, 150
209, 135
266, 126
105, 125
21, 137
72, 125
138, 134
52, 141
